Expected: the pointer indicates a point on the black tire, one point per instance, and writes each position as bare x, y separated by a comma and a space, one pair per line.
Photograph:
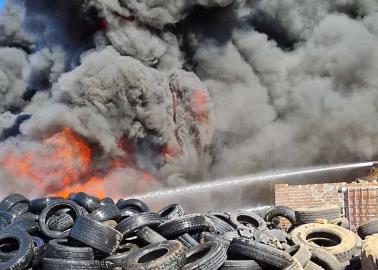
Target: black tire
88, 202
24, 253
8, 202
368, 228
207, 236
135, 204
149, 236
193, 223
207, 256
24, 224
69, 250
49, 211
62, 264
172, 211
261, 253
325, 259
20, 208
310, 214
220, 226
31, 216
279, 235
96, 235
168, 255
221, 215
110, 223
119, 259
7, 217
301, 252
241, 265
105, 213
126, 213
281, 211
60, 222
247, 221
132, 224
37, 205
336, 240
187, 241
39, 250
107, 202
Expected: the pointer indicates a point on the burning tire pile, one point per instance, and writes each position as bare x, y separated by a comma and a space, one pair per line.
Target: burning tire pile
85, 232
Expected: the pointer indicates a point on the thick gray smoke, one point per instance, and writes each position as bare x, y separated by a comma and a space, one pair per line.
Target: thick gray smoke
189, 90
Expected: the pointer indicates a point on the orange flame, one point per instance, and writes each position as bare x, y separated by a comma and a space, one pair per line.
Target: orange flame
198, 105
93, 186
61, 165
61, 159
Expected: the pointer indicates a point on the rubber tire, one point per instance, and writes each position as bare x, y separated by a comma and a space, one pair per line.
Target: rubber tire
49, 210
343, 251
11, 200
325, 259
62, 264
118, 259
24, 224
173, 259
220, 226
368, 228
135, 204
24, 254
149, 236
187, 241
193, 223
281, 211
132, 224
107, 202
172, 211
65, 249
20, 208
296, 265
37, 205
207, 236
213, 259
313, 266
39, 250
301, 252
88, 202
310, 214
105, 213
241, 265
261, 253
96, 235
369, 258
342, 222
254, 221
61, 222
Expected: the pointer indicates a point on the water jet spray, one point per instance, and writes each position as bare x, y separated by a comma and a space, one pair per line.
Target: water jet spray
252, 191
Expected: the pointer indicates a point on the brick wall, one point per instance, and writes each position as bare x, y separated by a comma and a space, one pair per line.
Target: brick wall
304, 195
359, 201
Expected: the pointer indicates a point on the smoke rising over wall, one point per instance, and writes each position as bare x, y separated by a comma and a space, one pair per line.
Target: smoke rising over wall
158, 93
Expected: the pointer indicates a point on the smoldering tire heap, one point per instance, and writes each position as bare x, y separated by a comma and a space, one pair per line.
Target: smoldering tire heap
84, 232
102, 93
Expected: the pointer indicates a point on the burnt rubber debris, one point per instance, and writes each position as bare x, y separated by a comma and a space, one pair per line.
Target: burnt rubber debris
85, 232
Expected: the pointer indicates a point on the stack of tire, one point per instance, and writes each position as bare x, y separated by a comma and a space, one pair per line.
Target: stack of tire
85, 232
369, 233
